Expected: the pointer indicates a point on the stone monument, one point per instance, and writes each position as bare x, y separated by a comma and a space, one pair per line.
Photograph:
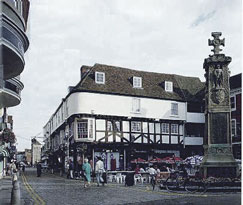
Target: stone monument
218, 158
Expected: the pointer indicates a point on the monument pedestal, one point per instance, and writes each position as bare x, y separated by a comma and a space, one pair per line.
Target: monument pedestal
219, 161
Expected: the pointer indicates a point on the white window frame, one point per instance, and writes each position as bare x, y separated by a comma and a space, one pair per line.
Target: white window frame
136, 105
98, 78
137, 82
109, 126
136, 126
118, 126
233, 122
174, 110
168, 86
165, 128
81, 133
174, 129
234, 108
91, 128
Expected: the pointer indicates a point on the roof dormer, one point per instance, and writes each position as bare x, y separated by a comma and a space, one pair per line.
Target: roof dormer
168, 86
100, 77
137, 82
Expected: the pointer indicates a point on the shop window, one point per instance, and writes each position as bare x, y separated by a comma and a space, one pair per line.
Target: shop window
174, 108
174, 129
82, 127
233, 127
136, 126
165, 128
233, 103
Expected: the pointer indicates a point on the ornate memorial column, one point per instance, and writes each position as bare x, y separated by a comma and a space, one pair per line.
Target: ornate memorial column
218, 160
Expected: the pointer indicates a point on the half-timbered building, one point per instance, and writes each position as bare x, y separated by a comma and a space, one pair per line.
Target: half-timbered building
122, 114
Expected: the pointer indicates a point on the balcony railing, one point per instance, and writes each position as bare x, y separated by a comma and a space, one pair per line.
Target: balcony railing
14, 85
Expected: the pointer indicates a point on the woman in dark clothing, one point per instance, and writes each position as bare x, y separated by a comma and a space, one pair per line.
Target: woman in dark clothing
38, 169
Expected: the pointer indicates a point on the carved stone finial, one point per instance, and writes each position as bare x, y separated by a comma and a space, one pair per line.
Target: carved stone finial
216, 42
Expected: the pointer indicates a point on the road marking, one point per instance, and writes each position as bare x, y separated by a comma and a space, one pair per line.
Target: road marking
29, 191
34, 195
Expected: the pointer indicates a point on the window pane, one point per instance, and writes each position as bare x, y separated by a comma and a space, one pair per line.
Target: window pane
91, 129
165, 128
109, 126
174, 129
168, 86
137, 82
99, 77
174, 109
136, 126
232, 101
83, 129
233, 124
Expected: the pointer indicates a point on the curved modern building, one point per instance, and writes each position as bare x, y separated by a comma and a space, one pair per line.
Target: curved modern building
13, 45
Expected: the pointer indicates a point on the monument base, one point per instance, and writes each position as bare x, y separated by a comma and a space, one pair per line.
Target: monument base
219, 161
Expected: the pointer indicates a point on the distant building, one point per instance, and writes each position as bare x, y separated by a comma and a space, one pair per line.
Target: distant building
28, 155
20, 156
121, 114
35, 151
235, 98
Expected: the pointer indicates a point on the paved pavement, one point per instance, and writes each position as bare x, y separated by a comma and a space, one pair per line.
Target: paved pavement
5, 190
52, 189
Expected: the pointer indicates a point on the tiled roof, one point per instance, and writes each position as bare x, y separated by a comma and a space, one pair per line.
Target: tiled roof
119, 81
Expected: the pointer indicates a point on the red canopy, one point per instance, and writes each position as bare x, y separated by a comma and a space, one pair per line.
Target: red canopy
138, 160
156, 160
172, 160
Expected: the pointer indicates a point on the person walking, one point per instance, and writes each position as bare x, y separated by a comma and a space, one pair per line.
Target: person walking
70, 169
87, 173
99, 169
38, 167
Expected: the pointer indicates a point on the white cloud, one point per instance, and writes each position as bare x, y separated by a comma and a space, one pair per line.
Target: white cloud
155, 35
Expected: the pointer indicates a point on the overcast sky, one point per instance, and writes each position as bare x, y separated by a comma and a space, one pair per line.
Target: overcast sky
166, 36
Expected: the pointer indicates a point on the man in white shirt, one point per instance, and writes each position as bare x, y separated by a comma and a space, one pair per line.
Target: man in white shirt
99, 169
152, 171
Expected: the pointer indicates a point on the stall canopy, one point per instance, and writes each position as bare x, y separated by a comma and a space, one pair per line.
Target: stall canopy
172, 160
139, 160
156, 160
194, 160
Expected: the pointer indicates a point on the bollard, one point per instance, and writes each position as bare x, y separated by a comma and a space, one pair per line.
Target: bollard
15, 195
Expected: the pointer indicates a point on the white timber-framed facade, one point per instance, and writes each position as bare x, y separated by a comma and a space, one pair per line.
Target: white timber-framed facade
116, 119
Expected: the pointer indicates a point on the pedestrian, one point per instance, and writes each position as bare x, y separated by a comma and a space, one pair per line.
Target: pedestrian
13, 168
87, 173
70, 168
23, 167
157, 171
38, 167
99, 169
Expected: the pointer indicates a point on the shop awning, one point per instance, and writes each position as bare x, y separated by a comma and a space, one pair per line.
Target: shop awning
4, 152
